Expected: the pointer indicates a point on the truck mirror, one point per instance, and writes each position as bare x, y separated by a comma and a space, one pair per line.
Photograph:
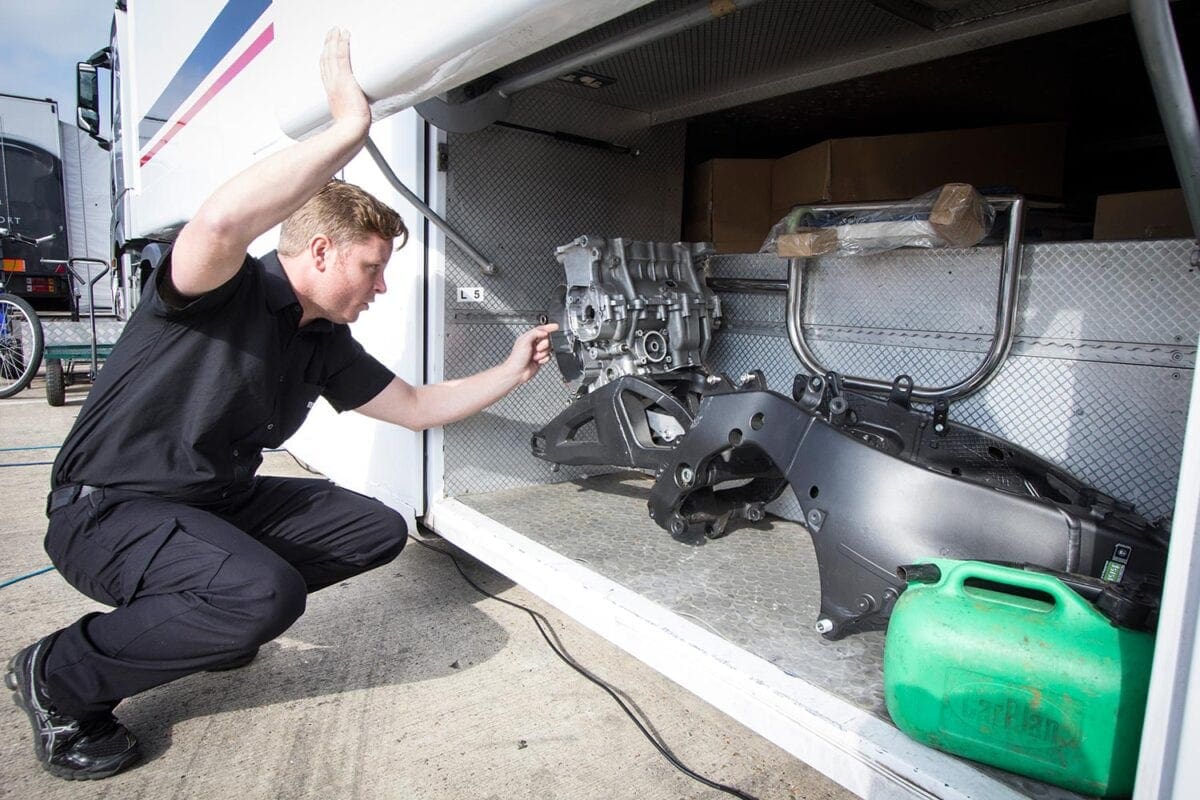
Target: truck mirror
87, 98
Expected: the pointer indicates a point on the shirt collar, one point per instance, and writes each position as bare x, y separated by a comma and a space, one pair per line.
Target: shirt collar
280, 293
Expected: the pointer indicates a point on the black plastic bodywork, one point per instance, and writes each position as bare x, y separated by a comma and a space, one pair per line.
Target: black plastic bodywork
611, 425
880, 487
880, 484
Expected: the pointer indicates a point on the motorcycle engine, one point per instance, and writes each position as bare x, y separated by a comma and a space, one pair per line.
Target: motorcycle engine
632, 308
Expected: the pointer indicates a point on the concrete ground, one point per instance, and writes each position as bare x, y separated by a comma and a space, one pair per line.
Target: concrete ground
402, 683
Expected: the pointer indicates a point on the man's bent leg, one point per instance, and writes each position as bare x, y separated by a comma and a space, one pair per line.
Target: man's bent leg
326, 532
192, 591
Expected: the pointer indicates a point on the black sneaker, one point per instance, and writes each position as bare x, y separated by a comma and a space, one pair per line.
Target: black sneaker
68, 748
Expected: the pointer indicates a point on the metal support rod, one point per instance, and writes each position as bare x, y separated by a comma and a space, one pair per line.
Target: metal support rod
487, 266
1164, 65
1164, 768
563, 136
91, 284
1006, 312
645, 34
747, 285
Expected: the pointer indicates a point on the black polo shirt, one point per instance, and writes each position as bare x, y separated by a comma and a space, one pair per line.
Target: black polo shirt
190, 396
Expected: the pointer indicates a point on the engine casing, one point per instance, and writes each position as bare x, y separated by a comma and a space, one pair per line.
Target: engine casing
632, 308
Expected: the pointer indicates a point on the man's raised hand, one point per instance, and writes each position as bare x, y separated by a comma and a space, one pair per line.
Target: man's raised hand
347, 103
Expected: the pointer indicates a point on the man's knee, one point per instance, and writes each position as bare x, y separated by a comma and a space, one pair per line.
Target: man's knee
389, 534
260, 601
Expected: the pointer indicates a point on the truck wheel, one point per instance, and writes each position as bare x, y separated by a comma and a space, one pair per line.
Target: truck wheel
56, 382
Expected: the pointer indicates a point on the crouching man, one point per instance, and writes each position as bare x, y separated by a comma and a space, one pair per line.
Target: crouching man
155, 508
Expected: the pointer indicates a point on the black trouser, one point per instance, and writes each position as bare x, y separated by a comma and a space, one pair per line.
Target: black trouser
194, 589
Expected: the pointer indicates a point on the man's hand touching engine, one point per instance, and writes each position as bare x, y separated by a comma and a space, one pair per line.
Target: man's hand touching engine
423, 407
530, 351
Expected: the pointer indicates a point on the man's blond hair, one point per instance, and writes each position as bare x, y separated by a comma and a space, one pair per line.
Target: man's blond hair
343, 212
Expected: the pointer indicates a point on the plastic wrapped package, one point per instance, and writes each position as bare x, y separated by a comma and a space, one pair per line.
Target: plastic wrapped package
953, 215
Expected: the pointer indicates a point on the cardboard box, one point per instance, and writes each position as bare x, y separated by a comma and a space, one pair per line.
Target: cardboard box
958, 216
807, 242
1027, 158
1143, 215
727, 201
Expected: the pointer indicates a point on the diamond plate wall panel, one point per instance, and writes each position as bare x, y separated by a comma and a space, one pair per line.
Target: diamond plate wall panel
1117, 426
935, 290
490, 451
735, 353
939, 290
753, 310
748, 265
1112, 292
517, 196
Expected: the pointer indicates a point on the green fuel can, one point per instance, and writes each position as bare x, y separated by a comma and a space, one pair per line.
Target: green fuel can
1014, 669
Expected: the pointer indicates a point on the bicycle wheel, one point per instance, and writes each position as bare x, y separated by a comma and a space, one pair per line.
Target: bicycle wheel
20, 344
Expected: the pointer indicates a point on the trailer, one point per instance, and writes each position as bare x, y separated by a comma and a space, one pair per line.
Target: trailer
54, 205
546, 125
32, 204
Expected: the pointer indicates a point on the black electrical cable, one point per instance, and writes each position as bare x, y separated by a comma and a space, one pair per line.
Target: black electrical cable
539, 621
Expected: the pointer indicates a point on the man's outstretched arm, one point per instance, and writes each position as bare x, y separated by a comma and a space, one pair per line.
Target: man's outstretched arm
211, 247
421, 407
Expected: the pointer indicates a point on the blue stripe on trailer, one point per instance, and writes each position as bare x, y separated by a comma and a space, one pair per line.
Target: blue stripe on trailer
226, 31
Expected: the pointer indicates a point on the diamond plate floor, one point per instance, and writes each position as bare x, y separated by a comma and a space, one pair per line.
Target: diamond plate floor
758, 587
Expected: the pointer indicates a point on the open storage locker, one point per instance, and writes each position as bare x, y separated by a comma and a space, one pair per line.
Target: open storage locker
1098, 379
